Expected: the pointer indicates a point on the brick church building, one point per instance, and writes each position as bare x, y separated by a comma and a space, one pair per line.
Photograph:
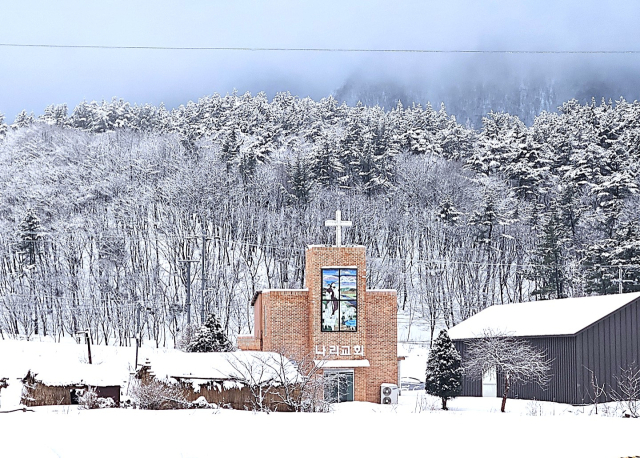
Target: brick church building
350, 331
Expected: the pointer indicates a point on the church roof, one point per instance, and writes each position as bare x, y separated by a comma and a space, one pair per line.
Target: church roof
542, 318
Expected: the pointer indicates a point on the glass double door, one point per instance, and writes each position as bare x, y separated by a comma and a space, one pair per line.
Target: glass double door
338, 386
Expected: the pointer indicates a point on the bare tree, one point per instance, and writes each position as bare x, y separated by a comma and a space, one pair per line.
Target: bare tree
597, 389
254, 372
278, 379
514, 359
305, 391
628, 393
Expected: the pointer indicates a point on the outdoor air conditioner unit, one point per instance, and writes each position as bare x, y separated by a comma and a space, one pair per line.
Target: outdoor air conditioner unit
389, 393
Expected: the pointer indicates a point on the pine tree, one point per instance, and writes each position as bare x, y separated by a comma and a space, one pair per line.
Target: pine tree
299, 181
550, 270
210, 338
23, 120
444, 370
55, 115
30, 238
230, 150
447, 212
3, 127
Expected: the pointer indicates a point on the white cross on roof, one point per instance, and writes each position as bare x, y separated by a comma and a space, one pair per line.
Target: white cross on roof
339, 224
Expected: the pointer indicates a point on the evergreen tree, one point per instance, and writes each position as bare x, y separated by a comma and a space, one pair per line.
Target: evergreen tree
627, 253
210, 338
23, 120
299, 181
55, 115
326, 167
30, 235
230, 150
3, 127
447, 212
598, 277
550, 257
444, 370
602, 258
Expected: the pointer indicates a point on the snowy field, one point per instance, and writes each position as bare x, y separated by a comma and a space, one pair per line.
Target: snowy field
415, 427
473, 427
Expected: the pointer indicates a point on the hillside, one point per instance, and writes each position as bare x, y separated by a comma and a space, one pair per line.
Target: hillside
99, 207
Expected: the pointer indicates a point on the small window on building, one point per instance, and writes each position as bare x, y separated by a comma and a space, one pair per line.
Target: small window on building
339, 309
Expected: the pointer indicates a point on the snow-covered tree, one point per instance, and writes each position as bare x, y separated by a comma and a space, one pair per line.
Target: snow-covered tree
55, 115
3, 127
447, 212
30, 234
299, 181
210, 338
549, 271
23, 119
513, 359
444, 370
230, 150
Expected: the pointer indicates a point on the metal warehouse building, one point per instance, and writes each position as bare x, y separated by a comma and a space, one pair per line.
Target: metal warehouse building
581, 336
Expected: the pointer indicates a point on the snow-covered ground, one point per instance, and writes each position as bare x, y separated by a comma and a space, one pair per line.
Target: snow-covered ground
473, 427
415, 427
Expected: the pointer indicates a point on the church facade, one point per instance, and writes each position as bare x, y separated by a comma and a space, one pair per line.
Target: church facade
349, 331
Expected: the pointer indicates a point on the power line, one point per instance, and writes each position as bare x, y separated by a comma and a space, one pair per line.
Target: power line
318, 50
412, 261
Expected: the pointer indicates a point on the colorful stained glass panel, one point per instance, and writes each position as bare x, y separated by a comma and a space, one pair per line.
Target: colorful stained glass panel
339, 309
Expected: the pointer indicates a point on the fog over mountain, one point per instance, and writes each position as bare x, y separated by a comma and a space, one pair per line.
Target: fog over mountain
159, 52
523, 86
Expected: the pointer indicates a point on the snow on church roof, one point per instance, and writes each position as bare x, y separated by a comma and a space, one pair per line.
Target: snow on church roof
542, 318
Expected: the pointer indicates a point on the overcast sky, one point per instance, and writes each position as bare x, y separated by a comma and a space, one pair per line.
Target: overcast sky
32, 78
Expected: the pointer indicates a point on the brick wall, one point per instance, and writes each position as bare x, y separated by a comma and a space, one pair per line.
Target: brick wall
382, 341
290, 321
286, 318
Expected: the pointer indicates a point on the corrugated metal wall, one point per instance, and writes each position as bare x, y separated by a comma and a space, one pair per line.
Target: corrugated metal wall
470, 387
561, 387
605, 347
562, 382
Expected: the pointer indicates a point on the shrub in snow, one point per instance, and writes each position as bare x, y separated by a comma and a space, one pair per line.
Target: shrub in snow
202, 403
444, 370
209, 338
88, 399
425, 403
106, 403
628, 393
157, 395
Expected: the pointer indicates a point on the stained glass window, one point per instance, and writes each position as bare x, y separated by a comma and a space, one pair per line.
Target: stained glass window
339, 300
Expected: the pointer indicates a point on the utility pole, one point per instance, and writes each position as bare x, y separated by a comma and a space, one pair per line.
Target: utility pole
204, 277
87, 337
188, 287
138, 336
203, 257
620, 279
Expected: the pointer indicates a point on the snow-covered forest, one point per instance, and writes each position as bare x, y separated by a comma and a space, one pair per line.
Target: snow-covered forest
99, 206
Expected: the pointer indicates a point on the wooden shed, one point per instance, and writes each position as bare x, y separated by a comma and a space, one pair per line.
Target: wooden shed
586, 339
234, 379
38, 393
